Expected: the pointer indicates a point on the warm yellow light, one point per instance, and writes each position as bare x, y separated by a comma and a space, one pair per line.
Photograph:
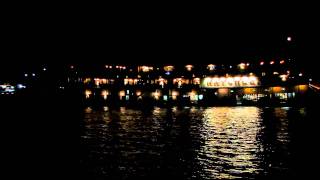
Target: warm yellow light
242, 66
244, 81
237, 78
211, 67
86, 80
130, 81
230, 81
168, 68
215, 79
96, 81
175, 93
122, 93
138, 93
283, 77
88, 93
223, 91
145, 68
220, 119
177, 79
271, 62
282, 62
301, 88
193, 95
162, 81
104, 94
196, 81
276, 89
249, 90
126, 81
156, 94
189, 67
180, 81
253, 80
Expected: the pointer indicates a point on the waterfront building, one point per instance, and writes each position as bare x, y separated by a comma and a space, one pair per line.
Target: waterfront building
276, 81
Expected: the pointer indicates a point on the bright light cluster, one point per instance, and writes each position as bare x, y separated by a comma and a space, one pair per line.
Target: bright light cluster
98, 81
211, 67
168, 68
189, 67
218, 82
130, 81
145, 68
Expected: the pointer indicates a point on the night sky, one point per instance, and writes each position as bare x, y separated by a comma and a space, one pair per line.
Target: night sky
211, 37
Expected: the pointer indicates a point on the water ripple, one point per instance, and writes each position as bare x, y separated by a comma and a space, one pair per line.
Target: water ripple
192, 143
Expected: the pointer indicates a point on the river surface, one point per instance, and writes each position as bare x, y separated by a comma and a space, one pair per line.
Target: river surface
192, 143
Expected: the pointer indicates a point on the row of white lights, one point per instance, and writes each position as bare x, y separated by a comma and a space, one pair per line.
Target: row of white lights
189, 66
34, 74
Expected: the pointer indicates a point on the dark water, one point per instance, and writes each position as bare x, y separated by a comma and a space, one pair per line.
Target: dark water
194, 143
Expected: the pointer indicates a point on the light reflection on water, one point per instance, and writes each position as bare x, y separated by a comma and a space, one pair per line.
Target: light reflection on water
187, 143
232, 140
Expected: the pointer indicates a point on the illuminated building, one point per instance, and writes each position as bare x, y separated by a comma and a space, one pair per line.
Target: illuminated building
250, 82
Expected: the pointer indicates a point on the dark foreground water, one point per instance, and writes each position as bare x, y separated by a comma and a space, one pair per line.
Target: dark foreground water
194, 143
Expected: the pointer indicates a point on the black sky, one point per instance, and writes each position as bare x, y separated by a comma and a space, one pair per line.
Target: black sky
223, 36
